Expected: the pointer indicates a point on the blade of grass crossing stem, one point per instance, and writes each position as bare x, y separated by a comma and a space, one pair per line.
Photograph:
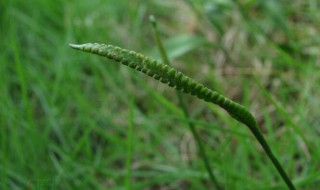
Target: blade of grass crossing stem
184, 107
129, 146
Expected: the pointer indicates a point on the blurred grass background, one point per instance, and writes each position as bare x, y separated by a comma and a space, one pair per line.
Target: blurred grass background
65, 115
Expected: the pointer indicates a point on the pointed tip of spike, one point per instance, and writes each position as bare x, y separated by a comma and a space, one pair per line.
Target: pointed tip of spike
75, 46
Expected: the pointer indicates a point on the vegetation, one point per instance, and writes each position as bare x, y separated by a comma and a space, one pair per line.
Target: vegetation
84, 124
173, 78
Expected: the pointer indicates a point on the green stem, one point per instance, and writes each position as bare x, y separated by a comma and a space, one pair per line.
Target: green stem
183, 106
256, 132
175, 79
162, 51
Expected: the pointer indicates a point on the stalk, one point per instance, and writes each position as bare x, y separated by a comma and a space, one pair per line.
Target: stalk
176, 79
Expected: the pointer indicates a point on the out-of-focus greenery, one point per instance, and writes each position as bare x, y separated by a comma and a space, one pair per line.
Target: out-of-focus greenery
65, 116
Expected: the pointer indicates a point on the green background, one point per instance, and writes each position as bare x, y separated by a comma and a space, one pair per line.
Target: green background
65, 115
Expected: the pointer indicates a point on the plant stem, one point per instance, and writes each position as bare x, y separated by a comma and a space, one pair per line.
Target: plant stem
256, 132
183, 106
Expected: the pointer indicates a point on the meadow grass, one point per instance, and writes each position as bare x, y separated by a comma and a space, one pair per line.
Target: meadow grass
67, 116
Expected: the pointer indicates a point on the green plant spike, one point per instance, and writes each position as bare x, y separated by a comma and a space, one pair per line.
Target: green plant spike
173, 78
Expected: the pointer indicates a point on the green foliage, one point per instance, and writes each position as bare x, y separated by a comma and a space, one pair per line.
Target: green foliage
173, 78
63, 114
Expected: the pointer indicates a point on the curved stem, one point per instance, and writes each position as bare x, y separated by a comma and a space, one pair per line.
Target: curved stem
173, 78
256, 132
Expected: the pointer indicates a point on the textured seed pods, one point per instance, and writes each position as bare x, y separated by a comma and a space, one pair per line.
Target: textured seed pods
170, 76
